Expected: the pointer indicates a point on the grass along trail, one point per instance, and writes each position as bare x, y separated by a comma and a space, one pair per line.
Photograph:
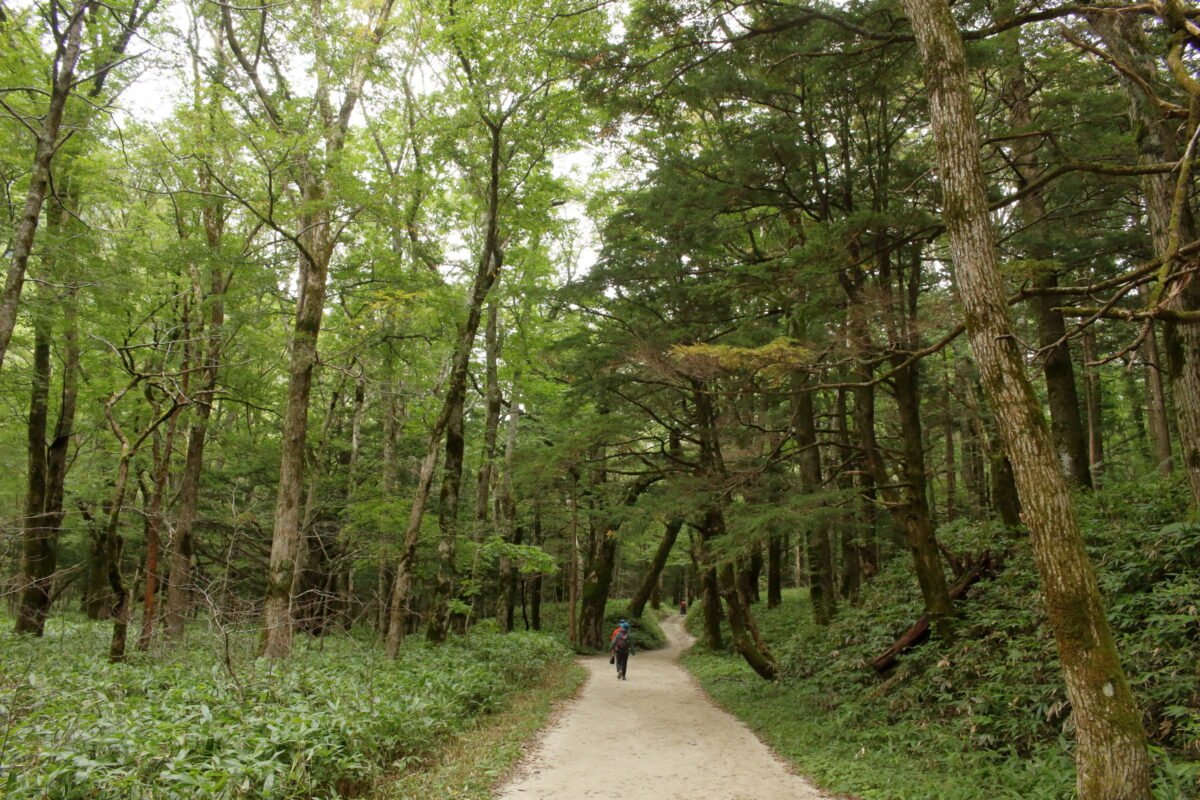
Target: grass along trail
655, 735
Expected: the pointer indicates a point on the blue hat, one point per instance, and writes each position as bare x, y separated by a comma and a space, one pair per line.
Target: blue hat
624, 624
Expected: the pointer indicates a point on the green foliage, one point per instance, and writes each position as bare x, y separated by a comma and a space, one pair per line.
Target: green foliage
646, 632
324, 724
989, 708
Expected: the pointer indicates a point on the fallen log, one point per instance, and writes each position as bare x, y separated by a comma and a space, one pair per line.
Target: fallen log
919, 630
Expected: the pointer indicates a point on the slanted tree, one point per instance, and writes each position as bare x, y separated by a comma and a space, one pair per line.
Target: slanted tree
1112, 760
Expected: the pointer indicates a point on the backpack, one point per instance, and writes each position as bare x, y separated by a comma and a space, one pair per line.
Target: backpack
621, 643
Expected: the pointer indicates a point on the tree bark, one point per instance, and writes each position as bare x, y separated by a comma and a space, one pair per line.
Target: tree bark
1156, 404
948, 429
315, 239
284, 573
1093, 401
1112, 760
775, 548
637, 605
601, 558
40, 548
507, 510
821, 589
535, 585
913, 515
1057, 367
154, 525
486, 274
909, 508
66, 59
711, 467
710, 594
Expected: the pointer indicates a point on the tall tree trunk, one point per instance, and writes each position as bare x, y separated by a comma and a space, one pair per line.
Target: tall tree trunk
507, 510
574, 571
491, 425
821, 588
487, 461
208, 304
775, 547
948, 436
711, 465
1002, 493
742, 628
856, 548
1112, 760
909, 507
399, 608
154, 525
913, 515
1156, 404
710, 594
112, 544
36, 596
601, 559
535, 585
488, 271
66, 59
315, 241
1094, 403
284, 574
40, 549
1057, 367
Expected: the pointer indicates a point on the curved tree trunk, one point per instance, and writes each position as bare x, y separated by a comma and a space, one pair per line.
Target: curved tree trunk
1112, 760
711, 466
637, 605
908, 508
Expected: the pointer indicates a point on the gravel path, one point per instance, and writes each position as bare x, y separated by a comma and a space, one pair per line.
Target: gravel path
655, 736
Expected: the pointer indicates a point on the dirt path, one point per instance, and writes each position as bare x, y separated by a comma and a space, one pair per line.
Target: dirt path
657, 731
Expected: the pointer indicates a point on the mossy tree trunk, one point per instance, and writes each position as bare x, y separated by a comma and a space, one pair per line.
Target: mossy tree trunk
1112, 760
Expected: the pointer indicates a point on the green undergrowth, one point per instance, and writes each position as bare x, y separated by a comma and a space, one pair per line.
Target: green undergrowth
646, 632
329, 722
470, 767
989, 710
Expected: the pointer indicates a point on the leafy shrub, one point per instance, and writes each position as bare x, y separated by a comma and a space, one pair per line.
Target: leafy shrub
323, 724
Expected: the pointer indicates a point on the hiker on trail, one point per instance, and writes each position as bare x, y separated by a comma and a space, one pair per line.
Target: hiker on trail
683, 607
621, 646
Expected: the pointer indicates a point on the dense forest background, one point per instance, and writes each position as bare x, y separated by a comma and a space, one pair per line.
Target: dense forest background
397, 319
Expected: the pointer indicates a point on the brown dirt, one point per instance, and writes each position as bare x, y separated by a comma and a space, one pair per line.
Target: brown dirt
655, 736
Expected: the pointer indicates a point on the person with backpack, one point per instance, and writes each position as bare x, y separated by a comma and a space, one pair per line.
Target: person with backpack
621, 646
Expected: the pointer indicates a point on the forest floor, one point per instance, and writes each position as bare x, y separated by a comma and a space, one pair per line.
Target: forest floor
657, 735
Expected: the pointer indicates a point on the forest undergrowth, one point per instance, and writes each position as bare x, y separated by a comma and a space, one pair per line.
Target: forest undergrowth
988, 708
208, 721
